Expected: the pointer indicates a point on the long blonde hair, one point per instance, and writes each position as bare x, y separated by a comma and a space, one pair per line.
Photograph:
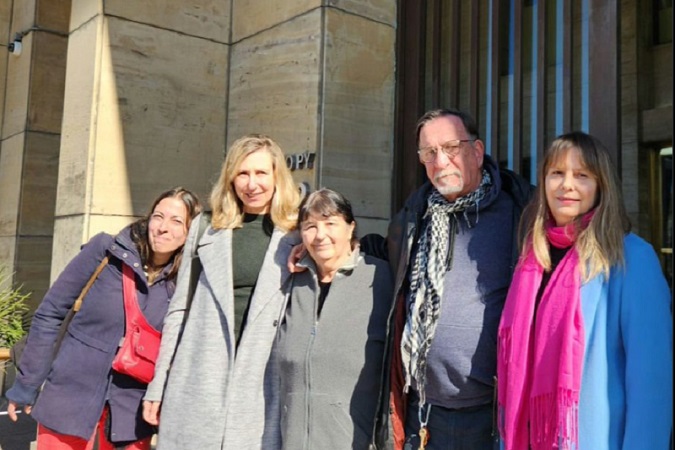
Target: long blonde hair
600, 244
227, 209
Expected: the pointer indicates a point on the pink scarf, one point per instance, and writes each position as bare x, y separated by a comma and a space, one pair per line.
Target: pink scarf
539, 372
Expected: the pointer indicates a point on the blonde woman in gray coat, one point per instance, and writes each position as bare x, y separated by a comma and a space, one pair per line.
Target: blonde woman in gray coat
210, 387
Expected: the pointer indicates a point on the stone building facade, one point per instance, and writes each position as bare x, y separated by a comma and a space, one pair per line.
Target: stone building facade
109, 102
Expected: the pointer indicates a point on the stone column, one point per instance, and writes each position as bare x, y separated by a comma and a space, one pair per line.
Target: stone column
144, 110
318, 77
31, 96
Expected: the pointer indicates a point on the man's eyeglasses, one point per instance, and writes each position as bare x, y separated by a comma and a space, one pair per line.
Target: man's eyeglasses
450, 148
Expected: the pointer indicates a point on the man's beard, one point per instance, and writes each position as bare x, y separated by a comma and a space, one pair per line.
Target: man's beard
446, 190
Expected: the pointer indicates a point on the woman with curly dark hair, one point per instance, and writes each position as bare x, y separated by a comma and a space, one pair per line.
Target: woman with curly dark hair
79, 392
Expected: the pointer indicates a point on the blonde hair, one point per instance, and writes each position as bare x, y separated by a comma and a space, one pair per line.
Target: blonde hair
600, 244
227, 208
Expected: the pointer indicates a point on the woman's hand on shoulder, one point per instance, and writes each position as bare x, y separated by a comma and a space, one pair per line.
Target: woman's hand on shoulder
297, 253
151, 412
13, 406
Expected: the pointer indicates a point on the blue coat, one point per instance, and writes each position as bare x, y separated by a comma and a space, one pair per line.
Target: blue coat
627, 379
80, 380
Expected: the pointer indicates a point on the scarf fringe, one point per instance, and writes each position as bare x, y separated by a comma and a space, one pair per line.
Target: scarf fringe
554, 420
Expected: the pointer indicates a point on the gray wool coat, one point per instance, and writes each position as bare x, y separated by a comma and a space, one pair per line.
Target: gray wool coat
210, 399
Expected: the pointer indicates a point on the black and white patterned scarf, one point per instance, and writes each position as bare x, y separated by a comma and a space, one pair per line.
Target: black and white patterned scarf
432, 260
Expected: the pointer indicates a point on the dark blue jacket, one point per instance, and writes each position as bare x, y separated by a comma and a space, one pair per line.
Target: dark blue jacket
398, 247
80, 380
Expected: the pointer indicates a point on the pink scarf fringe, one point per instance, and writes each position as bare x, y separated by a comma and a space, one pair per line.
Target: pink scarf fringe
539, 373
564, 405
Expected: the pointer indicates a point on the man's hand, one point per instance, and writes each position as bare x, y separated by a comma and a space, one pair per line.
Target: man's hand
12, 407
297, 253
151, 412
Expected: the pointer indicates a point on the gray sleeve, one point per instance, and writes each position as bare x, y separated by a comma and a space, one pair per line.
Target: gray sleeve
173, 321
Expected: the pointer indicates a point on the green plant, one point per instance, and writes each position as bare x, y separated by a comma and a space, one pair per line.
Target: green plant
12, 310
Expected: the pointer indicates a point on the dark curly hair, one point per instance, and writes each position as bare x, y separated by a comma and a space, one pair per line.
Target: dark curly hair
139, 229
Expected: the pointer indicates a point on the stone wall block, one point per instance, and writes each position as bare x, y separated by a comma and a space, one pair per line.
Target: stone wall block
38, 192
69, 235
209, 19
359, 112
7, 253
366, 225
79, 121
83, 11
16, 98
161, 111
48, 15
253, 16
378, 10
73, 231
47, 82
11, 164
34, 255
5, 22
4, 59
274, 87
53, 15
108, 224
23, 15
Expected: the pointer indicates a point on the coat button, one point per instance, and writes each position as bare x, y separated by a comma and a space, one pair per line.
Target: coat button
275, 323
124, 255
135, 264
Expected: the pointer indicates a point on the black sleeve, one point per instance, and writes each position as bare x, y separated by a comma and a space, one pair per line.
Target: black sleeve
375, 245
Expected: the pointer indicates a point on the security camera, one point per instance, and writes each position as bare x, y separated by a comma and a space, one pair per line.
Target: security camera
15, 47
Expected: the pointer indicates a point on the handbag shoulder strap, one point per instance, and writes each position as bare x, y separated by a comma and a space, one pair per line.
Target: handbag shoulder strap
132, 312
78, 302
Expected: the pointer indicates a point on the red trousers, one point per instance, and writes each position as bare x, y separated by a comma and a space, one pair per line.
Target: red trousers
51, 440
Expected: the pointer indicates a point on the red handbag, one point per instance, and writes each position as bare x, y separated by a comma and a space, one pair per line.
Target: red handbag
138, 352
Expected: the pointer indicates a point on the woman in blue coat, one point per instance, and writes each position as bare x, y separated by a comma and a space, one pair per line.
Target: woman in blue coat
585, 340
80, 391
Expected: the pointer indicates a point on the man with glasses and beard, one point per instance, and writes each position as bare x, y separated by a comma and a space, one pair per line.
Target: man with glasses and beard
452, 248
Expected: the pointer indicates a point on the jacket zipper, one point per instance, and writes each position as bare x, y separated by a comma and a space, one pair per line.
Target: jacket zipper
308, 368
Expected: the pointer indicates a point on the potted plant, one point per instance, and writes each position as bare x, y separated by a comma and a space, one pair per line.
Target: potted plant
13, 308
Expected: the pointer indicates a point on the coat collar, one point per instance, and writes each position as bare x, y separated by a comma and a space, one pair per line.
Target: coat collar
124, 249
215, 251
349, 265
